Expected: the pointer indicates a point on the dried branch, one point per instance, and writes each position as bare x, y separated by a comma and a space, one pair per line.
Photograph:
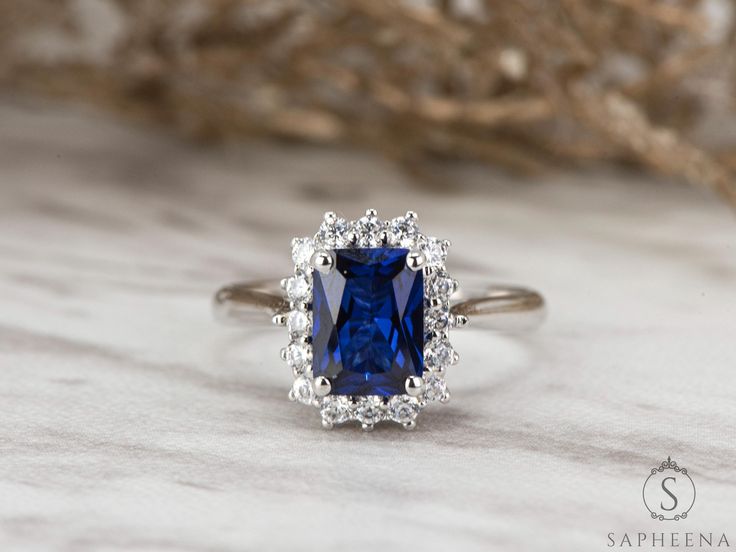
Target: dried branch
522, 84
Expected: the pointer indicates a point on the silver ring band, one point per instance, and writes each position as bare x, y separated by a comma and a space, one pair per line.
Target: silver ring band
501, 308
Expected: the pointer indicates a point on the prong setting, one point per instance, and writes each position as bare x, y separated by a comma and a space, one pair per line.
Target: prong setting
322, 261
322, 386
414, 386
415, 260
352, 238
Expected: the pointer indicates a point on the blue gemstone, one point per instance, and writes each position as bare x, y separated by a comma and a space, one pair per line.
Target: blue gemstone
368, 331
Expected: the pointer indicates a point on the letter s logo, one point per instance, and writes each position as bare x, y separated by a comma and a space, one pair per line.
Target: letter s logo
669, 491
665, 489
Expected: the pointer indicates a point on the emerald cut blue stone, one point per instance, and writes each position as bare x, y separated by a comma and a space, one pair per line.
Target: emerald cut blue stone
368, 330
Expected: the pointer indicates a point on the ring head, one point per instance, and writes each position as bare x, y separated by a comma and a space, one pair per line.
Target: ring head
377, 309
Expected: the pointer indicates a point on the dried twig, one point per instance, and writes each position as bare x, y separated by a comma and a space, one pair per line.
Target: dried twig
522, 84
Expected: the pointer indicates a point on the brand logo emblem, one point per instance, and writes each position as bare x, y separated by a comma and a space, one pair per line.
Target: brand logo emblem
669, 492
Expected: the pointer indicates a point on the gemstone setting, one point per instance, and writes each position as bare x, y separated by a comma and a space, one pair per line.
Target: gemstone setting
369, 320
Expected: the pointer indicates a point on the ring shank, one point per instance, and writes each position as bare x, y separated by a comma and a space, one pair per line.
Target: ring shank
501, 308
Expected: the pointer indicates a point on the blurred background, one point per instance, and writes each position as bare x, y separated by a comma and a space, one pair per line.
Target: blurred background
529, 86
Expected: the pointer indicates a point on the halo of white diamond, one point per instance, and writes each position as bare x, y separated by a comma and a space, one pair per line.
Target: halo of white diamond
369, 231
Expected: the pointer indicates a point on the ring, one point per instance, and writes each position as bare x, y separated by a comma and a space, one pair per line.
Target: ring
369, 310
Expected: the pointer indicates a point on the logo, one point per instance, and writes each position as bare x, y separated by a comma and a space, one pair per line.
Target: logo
669, 492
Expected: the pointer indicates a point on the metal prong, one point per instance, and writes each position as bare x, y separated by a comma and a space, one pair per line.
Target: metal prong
414, 386
445, 397
322, 261
352, 237
411, 215
384, 238
292, 396
460, 321
322, 386
455, 357
371, 213
367, 427
283, 353
436, 302
279, 319
302, 339
330, 217
415, 260
428, 271
411, 424
284, 282
454, 287
327, 425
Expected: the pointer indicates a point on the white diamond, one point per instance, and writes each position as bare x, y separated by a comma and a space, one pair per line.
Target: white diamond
403, 409
439, 356
297, 288
302, 251
403, 231
369, 411
335, 410
435, 250
434, 387
332, 235
366, 230
437, 319
441, 286
303, 391
298, 322
297, 356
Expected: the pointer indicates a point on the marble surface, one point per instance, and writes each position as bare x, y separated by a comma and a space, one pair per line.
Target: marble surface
131, 421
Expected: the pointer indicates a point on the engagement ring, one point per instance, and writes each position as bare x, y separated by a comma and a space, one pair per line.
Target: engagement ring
369, 310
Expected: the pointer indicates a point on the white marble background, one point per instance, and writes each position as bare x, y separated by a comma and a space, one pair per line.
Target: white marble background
130, 421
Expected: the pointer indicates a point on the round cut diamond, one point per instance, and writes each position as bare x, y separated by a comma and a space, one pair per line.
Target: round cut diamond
437, 319
332, 235
441, 286
434, 387
335, 410
297, 356
297, 288
303, 391
297, 322
438, 356
366, 230
301, 251
436, 251
369, 411
403, 231
403, 409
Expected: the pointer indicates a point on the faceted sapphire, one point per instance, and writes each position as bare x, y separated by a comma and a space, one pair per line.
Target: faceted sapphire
368, 331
